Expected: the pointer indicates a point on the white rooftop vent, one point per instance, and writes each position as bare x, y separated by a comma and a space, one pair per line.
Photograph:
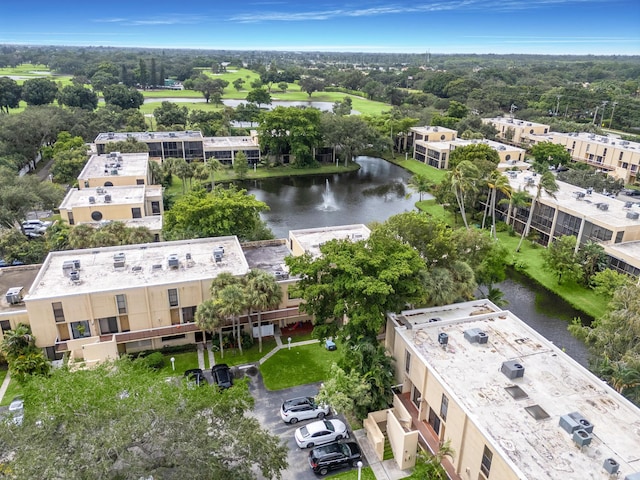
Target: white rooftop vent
173, 261
512, 369
119, 260
14, 295
156, 266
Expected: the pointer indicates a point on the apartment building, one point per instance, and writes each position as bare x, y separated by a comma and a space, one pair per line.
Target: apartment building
140, 205
95, 304
189, 145
511, 403
429, 134
619, 158
516, 132
437, 153
115, 169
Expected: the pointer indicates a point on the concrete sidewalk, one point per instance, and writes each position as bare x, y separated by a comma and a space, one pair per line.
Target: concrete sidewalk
5, 385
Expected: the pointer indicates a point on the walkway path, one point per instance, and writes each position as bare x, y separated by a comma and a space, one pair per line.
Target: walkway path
5, 385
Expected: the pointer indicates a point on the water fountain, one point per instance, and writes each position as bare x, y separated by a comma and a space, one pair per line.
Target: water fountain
328, 200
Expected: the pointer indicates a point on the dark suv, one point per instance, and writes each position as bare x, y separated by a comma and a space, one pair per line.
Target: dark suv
222, 375
333, 456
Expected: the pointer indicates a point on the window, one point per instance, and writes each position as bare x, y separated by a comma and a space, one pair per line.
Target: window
97, 215
620, 157
485, 466
173, 337
444, 407
173, 297
108, 184
588, 147
5, 325
188, 314
139, 181
58, 313
136, 213
70, 215
508, 157
407, 361
108, 325
155, 208
121, 303
80, 329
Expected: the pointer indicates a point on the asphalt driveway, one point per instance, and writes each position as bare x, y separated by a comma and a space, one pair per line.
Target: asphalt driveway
267, 408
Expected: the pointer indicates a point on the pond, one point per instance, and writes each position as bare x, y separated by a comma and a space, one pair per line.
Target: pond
375, 192
324, 106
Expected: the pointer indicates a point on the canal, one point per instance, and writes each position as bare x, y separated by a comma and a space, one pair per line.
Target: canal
378, 191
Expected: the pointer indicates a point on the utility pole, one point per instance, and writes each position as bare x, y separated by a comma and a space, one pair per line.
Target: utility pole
612, 110
604, 107
595, 115
557, 105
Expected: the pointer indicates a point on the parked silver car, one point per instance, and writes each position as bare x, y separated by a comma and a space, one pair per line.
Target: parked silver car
321, 432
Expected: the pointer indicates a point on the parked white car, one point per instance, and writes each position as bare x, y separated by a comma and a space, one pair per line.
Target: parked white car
321, 432
302, 408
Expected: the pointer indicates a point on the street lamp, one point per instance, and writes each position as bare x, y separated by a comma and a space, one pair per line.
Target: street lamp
289, 342
173, 363
359, 470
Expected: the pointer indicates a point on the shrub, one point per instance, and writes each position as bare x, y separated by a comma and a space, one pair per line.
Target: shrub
155, 361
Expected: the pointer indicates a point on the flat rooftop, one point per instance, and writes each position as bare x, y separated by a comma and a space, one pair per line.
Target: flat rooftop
144, 265
126, 164
604, 140
12, 277
513, 122
130, 194
267, 255
310, 239
152, 222
219, 143
432, 129
459, 142
148, 136
579, 202
524, 425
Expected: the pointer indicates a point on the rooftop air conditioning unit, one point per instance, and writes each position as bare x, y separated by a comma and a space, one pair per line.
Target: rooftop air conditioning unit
281, 275
172, 134
100, 191
74, 276
118, 260
14, 295
611, 466
443, 339
218, 253
633, 476
512, 369
114, 172
110, 135
92, 199
633, 215
173, 261
628, 204
603, 206
107, 198
475, 335
582, 437
575, 421
580, 195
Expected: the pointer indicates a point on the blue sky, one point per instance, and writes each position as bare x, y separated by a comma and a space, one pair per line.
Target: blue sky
438, 26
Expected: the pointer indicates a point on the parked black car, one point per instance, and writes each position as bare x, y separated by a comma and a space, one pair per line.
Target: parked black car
631, 192
222, 375
333, 456
196, 375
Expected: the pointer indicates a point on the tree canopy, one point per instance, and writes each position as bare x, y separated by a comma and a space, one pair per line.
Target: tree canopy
122, 420
224, 211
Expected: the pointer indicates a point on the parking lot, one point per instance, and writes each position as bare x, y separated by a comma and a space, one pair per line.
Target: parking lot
267, 408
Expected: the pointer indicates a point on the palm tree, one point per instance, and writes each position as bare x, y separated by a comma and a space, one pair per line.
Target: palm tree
209, 319
499, 184
420, 184
212, 165
546, 183
17, 341
231, 302
463, 178
263, 293
517, 200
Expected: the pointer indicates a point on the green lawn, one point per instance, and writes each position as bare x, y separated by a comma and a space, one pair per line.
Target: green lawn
14, 389
367, 474
233, 357
529, 261
298, 366
184, 361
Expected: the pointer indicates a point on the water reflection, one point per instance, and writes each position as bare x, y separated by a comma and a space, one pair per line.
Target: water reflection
374, 193
546, 313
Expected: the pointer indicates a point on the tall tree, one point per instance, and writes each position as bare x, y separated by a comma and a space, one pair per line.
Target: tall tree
210, 319
153, 74
39, 91
547, 184
123, 421
10, 94
263, 293
463, 179
123, 96
560, 258
420, 184
78, 96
